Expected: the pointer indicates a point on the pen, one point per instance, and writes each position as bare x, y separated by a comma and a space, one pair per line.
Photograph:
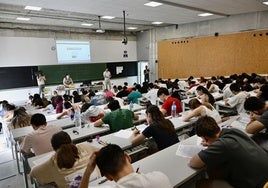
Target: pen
103, 181
137, 170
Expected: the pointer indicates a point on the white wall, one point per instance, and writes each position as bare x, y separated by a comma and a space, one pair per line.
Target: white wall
28, 51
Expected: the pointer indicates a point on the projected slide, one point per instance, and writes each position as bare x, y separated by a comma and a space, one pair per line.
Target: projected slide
69, 51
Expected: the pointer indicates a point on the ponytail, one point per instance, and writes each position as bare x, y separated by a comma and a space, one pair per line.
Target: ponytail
67, 154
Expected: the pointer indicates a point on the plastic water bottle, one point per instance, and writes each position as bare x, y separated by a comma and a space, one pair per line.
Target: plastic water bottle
77, 118
173, 109
131, 106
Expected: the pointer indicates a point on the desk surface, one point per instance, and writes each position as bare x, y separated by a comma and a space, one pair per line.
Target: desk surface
175, 167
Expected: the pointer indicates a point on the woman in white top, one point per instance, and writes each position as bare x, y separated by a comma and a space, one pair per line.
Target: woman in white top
199, 109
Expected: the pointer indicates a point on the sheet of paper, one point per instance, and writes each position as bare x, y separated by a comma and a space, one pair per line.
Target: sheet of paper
123, 134
188, 151
43, 159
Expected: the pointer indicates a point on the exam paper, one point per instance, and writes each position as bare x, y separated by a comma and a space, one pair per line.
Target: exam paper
123, 134
188, 151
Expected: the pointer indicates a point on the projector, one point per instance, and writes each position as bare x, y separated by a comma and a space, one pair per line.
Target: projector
124, 41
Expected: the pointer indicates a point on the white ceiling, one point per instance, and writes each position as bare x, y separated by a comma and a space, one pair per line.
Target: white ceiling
71, 13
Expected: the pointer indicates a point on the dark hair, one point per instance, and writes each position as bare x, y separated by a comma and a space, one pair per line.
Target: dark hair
194, 103
67, 152
20, 118
158, 118
253, 104
85, 106
235, 87
206, 126
67, 105
161, 91
205, 91
113, 105
10, 107
38, 120
110, 159
119, 87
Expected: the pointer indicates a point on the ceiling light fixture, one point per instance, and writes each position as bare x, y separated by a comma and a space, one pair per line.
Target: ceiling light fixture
153, 4
132, 28
205, 14
32, 8
108, 17
265, 2
23, 18
157, 23
124, 41
86, 24
100, 30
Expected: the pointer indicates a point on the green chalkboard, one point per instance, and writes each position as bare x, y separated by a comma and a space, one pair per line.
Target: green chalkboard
79, 72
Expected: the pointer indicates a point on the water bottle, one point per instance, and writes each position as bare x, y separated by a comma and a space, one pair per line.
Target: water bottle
131, 106
77, 118
173, 109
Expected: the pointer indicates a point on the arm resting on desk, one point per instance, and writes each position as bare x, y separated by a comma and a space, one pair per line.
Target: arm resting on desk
137, 137
254, 127
135, 117
98, 123
62, 114
196, 162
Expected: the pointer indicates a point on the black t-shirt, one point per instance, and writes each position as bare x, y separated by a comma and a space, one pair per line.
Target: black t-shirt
237, 159
122, 93
161, 136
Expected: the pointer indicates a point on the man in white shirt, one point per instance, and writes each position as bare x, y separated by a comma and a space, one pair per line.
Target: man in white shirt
116, 165
152, 94
41, 82
107, 79
237, 101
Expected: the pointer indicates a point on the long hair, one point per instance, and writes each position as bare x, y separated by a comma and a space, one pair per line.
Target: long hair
66, 151
159, 119
20, 118
211, 99
195, 103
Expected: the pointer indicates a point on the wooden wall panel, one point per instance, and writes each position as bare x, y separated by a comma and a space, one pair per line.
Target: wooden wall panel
214, 56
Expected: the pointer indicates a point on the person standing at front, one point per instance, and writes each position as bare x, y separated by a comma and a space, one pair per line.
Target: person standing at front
41, 83
107, 79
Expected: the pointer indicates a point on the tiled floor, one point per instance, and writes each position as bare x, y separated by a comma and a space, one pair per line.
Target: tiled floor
9, 177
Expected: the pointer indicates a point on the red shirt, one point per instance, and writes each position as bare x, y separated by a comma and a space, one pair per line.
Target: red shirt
168, 103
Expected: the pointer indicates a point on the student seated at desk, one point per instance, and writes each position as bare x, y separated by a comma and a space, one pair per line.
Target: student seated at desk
115, 165
258, 115
69, 110
162, 130
37, 101
67, 159
164, 96
204, 95
199, 109
20, 119
118, 118
237, 101
152, 93
231, 156
134, 95
10, 108
122, 92
39, 139
90, 112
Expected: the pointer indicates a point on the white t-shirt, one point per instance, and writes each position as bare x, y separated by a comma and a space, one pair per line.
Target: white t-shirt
213, 113
106, 75
237, 101
135, 180
152, 95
